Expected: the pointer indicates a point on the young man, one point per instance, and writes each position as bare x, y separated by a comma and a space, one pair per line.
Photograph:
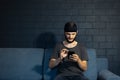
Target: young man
69, 56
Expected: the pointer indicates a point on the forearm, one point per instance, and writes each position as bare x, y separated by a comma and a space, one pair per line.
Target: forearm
82, 64
54, 62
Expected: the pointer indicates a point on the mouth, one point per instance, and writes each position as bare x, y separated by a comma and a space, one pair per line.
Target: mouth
70, 39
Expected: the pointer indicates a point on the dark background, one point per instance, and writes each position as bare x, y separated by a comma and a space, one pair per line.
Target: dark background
23, 21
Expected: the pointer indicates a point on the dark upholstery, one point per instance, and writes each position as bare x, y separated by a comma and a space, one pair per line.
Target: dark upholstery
26, 64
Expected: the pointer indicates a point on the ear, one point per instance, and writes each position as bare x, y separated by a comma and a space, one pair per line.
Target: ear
77, 32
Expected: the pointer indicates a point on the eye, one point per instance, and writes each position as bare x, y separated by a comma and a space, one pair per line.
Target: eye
73, 34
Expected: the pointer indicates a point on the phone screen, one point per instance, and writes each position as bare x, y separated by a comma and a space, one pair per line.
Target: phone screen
70, 53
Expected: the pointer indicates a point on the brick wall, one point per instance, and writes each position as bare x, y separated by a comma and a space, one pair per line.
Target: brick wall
23, 21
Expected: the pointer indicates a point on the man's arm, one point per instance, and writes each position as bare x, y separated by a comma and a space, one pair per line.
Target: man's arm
82, 63
54, 62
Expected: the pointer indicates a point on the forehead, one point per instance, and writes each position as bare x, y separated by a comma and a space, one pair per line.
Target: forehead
70, 32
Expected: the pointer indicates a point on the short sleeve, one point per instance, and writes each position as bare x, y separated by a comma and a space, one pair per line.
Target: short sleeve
84, 54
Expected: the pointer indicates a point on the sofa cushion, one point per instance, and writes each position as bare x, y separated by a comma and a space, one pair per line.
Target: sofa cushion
91, 72
20, 63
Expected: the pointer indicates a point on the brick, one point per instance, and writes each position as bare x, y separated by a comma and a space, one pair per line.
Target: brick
85, 38
117, 5
115, 32
90, 18
105, 4
90, 5
116, 58
111, 52
116, 45
102, 18
101, 52
95, 45
114, 18
82, 12
99, 12
99, 39
99, 25
106, 45
105, 32
92, 31
88, 45
56, 12
54, 6
85, 25
78, 19
111, 12
113, 25
81, 31
80, 1
42, 26
109, 38
113, 38
78, 6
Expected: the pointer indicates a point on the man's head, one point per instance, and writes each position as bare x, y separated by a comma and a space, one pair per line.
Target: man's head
70, 31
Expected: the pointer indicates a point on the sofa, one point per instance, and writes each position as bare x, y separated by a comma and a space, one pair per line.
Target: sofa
32, 64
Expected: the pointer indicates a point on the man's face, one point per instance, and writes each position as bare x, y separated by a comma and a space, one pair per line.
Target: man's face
70, 36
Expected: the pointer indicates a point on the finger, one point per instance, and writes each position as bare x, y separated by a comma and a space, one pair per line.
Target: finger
74, 54
64, 50
73, 59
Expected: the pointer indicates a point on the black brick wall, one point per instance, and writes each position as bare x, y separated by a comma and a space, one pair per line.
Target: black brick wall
22, 22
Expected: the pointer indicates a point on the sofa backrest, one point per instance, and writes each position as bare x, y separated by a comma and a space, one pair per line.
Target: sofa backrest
26, 64
20, 63
91, 72
102, 64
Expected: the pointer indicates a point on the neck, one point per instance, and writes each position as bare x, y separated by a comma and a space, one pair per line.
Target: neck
70, 45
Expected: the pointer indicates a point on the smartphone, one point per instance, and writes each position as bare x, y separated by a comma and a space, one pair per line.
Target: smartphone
70, 53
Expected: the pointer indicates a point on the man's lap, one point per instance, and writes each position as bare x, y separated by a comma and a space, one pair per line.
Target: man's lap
72, 77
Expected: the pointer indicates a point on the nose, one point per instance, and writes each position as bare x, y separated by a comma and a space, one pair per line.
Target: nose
70, 36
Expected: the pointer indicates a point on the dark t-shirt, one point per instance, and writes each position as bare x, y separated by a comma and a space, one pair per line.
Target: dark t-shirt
68, 67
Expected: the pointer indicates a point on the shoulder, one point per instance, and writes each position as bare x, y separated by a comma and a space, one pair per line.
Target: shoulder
81, 45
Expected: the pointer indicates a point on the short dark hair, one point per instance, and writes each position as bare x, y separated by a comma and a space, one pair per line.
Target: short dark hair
70, 27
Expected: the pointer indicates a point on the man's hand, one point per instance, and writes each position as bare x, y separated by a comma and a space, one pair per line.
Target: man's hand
74, 57
63, 53
82, 63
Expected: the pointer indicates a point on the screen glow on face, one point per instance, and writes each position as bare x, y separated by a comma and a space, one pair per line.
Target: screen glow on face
70, 36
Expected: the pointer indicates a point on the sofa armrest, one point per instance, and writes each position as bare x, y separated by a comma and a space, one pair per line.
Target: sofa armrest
102, 64
107, 75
